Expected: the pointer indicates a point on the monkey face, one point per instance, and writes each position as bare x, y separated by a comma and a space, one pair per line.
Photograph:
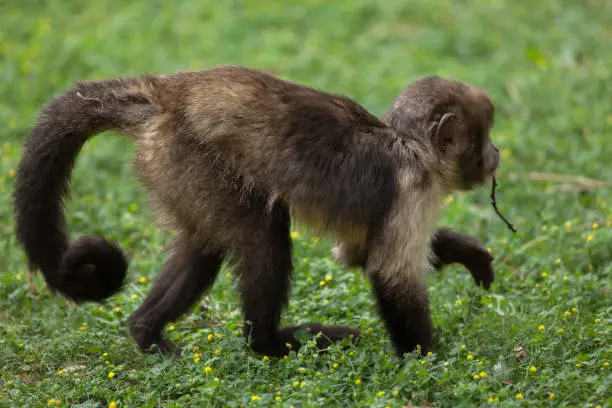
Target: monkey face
454, 120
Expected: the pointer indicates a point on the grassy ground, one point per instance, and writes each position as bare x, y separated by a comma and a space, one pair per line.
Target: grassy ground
547, 65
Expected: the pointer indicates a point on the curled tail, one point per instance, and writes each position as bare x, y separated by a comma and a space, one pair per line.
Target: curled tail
91, 268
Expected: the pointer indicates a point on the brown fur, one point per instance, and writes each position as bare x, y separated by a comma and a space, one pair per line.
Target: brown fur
229, 156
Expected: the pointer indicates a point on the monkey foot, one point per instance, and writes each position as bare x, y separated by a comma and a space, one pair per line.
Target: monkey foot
150, 342
286, 341
328, 334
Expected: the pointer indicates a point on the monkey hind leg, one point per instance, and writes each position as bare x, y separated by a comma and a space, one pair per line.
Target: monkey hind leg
264, 268
185, 276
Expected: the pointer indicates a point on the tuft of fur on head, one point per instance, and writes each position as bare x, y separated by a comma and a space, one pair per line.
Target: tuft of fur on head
455, 120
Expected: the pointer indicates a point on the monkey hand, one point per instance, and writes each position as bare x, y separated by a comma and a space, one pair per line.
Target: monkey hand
479, 261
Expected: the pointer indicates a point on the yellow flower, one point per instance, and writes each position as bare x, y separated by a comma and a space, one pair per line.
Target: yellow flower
429, 353
565, 278
171, 327
541, 327
574, 310
133, 207
606, 364
469, 357
295, 234
381, 393
217, 352
208, 369
111, 374
322, 283
533, 369
278, 398
112, 404
210, 337
595, 225
519, 396
105, 354
12, 173
560, 331
143, 279
597, 320
483, 374
544, 228
551, 395
328, 277
558, 261
566, 313
480, 364
296, 384
395, 393
255, 398
265, 358
60, 372
578, 364
133, 297
476, 376
370, 330
463, 347
117, 309
357, 381
544, 274
589, 238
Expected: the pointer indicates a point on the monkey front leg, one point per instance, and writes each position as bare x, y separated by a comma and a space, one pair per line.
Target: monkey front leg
447, 246
404, 306
450, 247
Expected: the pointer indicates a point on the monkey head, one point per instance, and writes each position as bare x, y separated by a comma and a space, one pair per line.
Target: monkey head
454, 120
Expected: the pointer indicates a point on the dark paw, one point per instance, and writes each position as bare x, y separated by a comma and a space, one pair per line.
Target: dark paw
167, 348
424, 346
150, 342
326, 335
278, 347
480, 265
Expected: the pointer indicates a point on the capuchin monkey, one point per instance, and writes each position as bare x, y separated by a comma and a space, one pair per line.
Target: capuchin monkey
230, 156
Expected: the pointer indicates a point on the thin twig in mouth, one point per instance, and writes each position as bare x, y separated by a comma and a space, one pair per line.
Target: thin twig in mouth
494, 204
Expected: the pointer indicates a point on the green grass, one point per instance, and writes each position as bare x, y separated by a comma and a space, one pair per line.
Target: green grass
546, 64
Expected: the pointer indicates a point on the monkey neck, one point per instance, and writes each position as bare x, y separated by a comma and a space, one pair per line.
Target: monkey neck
419, 159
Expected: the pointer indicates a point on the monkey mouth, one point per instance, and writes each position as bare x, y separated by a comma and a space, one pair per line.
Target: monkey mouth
473, 181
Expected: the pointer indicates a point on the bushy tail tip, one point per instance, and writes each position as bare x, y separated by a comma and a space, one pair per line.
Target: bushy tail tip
92, 269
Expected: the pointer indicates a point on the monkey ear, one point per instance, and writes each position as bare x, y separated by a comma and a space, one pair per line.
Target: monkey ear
443, 131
